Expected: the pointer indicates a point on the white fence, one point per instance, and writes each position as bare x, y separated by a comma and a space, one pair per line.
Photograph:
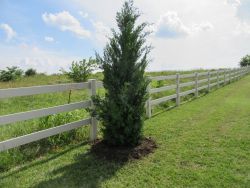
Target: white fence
221, 77
211, 79
91, 85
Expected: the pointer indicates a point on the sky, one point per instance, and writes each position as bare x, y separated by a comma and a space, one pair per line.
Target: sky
186, 34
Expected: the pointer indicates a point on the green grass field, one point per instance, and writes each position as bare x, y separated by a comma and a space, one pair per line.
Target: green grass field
31, 151
204, 143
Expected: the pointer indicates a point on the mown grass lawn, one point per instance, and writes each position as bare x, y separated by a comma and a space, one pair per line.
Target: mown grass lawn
204, 143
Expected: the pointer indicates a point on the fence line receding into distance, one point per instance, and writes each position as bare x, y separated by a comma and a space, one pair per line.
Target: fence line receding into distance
211, 79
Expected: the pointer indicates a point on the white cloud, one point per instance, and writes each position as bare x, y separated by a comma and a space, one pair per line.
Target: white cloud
101, 32
242, 28
29, 56
170, 25
65, 22
205, 26
10, 33
234, 3
49, 39
84, 15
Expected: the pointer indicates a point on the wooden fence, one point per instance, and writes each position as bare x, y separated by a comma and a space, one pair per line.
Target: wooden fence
221, 77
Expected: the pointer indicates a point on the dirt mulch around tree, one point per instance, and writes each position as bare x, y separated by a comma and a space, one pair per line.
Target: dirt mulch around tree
122, 153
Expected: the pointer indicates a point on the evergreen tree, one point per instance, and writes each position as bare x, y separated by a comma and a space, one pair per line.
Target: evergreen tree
124, 61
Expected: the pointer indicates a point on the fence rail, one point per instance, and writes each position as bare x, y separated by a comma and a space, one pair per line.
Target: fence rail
220, 77
91, 85
210, 79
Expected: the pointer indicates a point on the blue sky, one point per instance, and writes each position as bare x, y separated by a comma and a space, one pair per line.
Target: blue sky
49, 35
26, 19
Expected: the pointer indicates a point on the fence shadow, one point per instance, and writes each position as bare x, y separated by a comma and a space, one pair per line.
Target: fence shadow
40, 162
86, 171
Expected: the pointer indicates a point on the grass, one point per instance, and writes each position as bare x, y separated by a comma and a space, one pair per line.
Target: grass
204, 143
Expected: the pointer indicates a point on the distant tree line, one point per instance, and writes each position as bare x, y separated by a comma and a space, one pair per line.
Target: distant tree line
14, 73
245, 61
79, 71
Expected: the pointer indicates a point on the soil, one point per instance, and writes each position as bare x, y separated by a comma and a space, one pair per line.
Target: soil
123, 153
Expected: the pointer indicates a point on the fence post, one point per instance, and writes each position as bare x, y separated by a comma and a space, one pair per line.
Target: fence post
233, 74
208, 79
178, 99
218, 81
224, 77
229, 76
196, 85
93, 126
148, 104
237, 74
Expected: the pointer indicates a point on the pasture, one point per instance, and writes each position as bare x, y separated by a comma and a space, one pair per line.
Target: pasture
203, 143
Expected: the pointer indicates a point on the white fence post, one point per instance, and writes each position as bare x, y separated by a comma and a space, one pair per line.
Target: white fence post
229, 75
208, 80
178, 99
196, 85
218, 81
94, 122
236, 74
233, 74
148, 105
224, 77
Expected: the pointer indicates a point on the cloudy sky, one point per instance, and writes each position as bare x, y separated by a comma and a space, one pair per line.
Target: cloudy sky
187, 34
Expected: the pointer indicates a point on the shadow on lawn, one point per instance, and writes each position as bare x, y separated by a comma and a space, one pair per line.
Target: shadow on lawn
98, 165
86, 171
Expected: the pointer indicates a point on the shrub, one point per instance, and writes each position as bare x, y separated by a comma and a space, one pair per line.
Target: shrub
12, 73
125, 59
30, 72
245, 61
80, 71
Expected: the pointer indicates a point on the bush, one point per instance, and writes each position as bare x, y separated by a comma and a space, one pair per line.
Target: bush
30, 72
80, 71
12, 73
125, 59
245, 61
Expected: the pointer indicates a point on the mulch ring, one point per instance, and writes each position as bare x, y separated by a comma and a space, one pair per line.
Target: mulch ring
123, 153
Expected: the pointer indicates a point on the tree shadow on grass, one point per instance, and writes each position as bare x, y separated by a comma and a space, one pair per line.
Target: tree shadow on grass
86, 171
97, 165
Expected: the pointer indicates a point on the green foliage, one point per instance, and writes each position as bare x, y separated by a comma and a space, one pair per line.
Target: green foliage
35, 149
245, 61
56, 120
30, 72
124, 62
10, 74
80, 71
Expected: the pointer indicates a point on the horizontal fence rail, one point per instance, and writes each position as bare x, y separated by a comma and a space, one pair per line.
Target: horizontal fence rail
15, 142
91, 85
12, 118
25, 91
198, 81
